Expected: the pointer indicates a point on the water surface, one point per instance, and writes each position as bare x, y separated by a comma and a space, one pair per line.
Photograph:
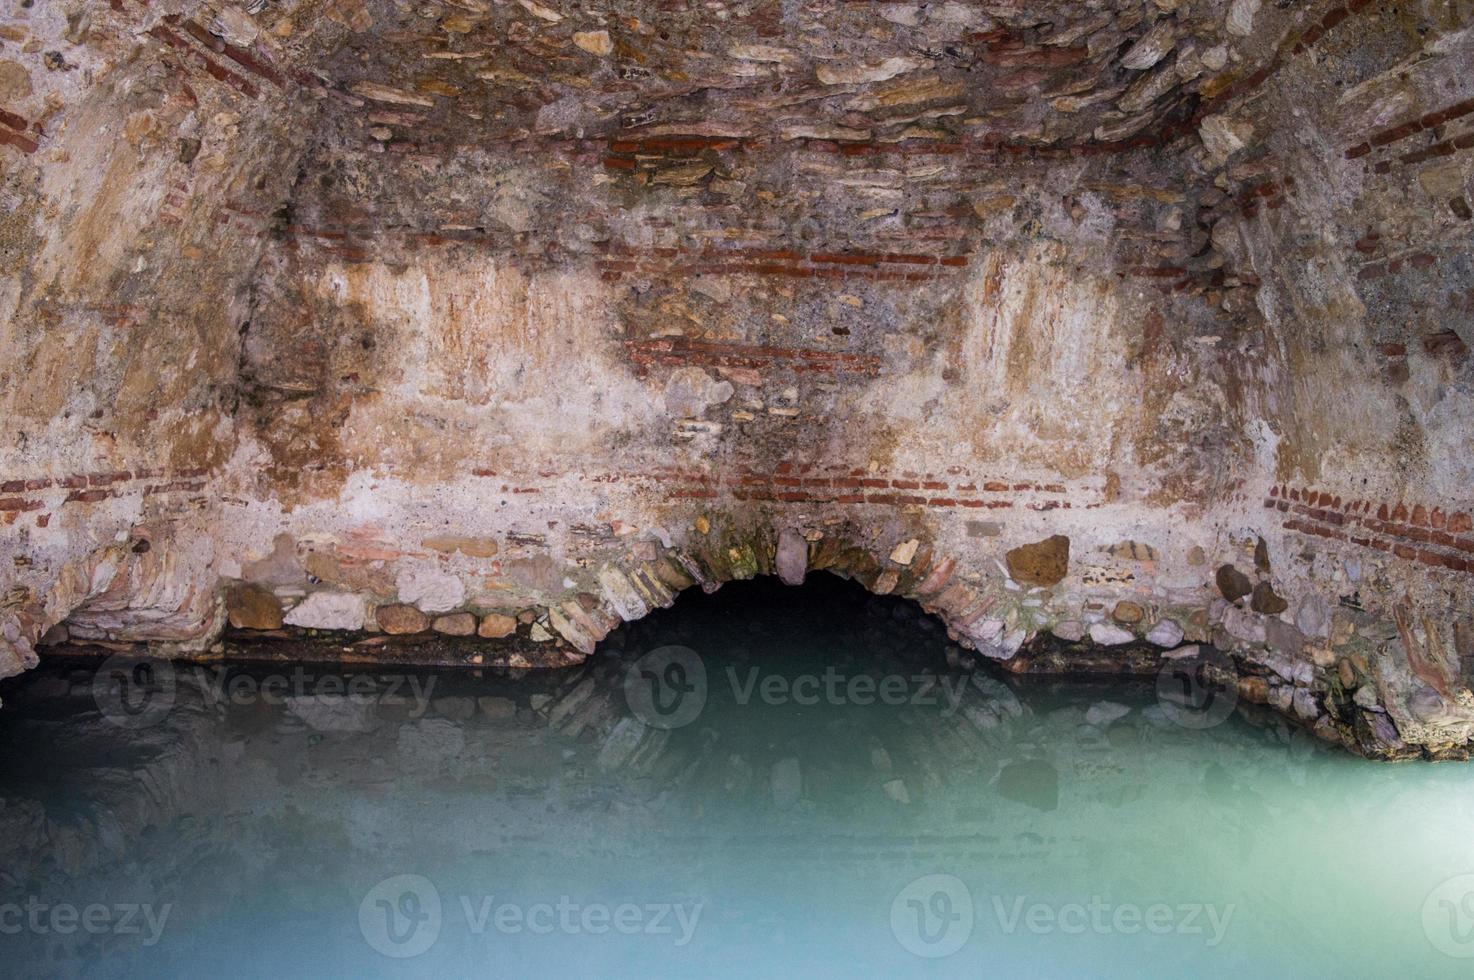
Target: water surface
790, 782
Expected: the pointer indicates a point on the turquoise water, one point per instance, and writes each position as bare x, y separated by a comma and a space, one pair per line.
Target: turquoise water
830, 799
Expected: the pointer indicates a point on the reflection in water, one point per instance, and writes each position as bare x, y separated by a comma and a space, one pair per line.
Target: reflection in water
764, 781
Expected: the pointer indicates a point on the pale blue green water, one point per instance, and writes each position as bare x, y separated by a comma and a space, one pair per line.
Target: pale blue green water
800, 823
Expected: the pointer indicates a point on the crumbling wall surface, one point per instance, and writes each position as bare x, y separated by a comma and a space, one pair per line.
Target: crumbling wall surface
539, 384
1358, 223
128, 154
521, 318
519, 411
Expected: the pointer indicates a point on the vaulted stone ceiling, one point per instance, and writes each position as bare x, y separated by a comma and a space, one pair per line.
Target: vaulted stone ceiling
1038, 74
1041, 73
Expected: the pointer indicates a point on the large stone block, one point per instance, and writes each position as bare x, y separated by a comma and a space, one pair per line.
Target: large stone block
1041, 563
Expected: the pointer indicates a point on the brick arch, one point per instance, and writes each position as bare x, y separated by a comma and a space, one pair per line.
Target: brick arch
911, 567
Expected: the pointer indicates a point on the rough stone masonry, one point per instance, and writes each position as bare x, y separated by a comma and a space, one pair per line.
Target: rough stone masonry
1140, 323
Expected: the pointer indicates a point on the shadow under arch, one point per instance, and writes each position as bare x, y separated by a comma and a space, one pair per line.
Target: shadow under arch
832, 696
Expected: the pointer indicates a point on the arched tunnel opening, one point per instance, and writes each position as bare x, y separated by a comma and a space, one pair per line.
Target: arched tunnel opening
766, 777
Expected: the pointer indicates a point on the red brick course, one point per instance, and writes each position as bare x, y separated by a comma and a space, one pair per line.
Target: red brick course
91, 488
1410, 127
1428, 535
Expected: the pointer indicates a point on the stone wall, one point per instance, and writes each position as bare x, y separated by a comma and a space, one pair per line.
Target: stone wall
1122, 326
120, 313
1363, 247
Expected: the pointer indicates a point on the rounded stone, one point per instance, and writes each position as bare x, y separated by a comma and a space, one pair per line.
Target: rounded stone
1104, 712
1304, 704
500, 709
455, 708
430, 589
456, 624
1266, 601
1071, 631
494, 626
1041, 563
399, 618
594, 42
1109, 635
1232, 583
1313, 618
1128, 612
250, 607
328, 611
15, 82
1254, 690
1165, 634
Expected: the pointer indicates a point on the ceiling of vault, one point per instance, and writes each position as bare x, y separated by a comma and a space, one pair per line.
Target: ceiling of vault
1041, 73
